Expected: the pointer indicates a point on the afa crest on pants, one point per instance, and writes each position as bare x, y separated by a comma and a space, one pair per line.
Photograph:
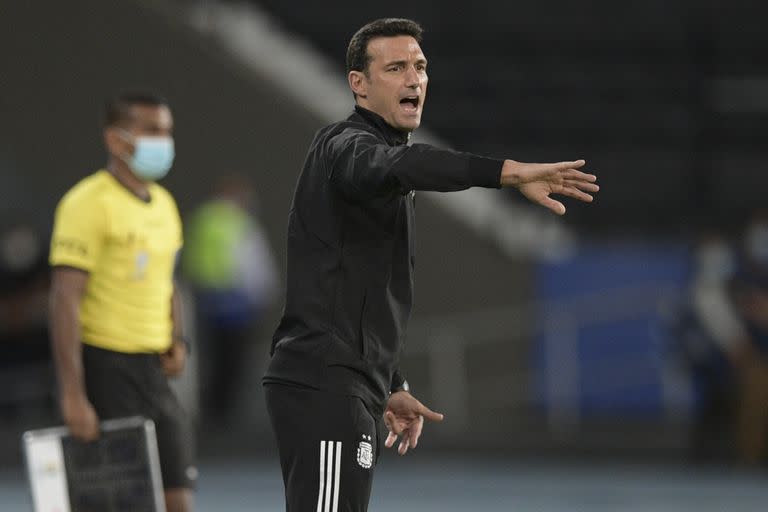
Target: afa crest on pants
365, 453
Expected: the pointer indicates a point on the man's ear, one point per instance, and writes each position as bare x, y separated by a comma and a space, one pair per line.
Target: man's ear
358, 83
115, 142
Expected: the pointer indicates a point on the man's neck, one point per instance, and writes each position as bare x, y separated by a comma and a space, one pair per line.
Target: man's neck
400, 135
126, 178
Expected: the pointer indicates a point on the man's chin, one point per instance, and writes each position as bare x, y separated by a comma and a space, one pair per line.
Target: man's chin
409, 124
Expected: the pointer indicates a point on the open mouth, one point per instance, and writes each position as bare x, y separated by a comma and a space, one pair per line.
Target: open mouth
410, 103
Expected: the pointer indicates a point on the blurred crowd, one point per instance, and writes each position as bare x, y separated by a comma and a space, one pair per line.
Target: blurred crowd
228, 261
721, 331
26, 371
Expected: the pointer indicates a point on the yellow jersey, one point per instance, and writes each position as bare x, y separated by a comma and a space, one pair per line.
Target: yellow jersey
129, 248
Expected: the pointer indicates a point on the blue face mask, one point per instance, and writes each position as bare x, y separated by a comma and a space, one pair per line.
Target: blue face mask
152, 157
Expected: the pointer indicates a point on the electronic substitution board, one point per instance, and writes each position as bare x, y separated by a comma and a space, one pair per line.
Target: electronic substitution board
120, 472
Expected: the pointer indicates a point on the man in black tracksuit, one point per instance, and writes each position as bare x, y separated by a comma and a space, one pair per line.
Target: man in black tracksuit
335, 355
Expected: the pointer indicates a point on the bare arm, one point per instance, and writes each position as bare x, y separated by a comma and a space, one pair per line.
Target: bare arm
67, 290
177, 318
175, 358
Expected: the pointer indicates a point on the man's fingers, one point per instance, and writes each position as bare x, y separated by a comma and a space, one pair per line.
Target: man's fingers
430, 414
565, 166
93, 434
552, 204
572, 174
391, 422
415, 431
93, 429
390, 441
576, 194
404, 445
85, 432
582, 185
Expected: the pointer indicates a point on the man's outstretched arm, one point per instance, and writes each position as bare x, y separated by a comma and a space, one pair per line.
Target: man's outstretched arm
363, 168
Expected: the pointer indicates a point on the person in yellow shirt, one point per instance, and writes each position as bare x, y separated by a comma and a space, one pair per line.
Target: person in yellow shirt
115, 315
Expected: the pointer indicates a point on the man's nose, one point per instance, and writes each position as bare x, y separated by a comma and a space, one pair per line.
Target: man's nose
412, 78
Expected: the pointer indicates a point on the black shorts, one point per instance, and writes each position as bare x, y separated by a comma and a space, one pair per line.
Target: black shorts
120, 385
328, 446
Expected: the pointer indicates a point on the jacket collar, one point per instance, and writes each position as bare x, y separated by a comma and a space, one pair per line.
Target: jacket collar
393, 136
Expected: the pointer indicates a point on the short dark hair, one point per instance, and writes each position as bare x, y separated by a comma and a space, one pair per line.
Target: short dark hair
118, 108
357, 51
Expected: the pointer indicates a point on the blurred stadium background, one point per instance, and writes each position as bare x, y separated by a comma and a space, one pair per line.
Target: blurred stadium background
556, 347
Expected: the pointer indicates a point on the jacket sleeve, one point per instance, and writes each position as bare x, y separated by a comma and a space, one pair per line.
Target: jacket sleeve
364, 168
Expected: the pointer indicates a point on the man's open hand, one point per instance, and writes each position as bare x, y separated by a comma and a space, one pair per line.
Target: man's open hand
538, 181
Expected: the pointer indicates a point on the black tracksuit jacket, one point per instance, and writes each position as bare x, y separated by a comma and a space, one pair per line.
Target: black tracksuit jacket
351, 254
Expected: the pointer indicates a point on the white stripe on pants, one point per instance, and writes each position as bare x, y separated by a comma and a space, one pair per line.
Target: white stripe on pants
330, 475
